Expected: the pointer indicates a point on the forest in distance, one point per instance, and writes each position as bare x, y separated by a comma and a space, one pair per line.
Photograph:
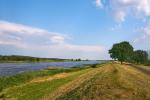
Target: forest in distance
20, 58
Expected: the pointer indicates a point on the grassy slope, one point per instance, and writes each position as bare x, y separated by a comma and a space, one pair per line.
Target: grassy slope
115, 82
110, 81
29, 85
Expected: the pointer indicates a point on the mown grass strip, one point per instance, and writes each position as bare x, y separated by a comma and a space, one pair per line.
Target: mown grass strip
116, 82
9, 81
75, 83
34, 91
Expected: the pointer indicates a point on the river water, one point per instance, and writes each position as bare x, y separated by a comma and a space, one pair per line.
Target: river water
15, 68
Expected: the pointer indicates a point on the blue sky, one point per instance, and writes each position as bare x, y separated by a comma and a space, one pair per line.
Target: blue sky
72, 28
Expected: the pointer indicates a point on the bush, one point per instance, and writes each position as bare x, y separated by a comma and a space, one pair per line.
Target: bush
148, 63
1, 88
2, 96
94, 65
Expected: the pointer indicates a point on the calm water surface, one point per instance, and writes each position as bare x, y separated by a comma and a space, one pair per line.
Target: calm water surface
14, 68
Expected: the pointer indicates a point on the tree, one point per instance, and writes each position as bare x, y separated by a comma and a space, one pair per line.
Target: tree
78, 59
121, 51
140, 57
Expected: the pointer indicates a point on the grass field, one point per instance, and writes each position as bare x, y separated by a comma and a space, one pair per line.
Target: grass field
110, 81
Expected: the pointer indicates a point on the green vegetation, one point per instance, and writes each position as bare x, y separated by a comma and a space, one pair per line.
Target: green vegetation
100, 81
9, 81
20, 59
140, 57
148, 63
123, 52
26, 83
29, 91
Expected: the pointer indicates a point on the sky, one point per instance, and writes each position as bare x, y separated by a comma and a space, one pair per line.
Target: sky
84, 29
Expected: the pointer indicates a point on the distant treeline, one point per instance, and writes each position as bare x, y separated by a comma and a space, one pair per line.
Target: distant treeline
19, 58
13, 58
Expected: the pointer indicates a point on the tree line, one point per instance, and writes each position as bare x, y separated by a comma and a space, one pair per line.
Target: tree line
124, 52
9, 58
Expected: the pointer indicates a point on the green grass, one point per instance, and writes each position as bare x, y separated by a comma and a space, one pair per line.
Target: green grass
35, 91
9, 81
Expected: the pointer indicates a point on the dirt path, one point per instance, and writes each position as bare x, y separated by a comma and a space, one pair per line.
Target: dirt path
141, 69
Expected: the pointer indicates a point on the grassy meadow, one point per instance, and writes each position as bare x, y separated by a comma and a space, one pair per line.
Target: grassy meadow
110, 81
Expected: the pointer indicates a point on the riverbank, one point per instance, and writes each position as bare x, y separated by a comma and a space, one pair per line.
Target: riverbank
102, 81
9, 81
8, 69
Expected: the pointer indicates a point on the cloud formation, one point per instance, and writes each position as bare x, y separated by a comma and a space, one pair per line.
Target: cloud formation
146, 31
99, 3
20, 32
145, 36
45, 43
120, 9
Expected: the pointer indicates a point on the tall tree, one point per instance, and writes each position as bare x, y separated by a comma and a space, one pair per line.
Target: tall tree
121, 51
140, 56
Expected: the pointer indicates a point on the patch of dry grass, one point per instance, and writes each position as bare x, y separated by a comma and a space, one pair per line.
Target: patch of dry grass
115, 82
74, 84
49, 78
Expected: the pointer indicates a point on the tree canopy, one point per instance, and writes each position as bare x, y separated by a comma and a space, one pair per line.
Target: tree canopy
121, 51
140, 56
124, 51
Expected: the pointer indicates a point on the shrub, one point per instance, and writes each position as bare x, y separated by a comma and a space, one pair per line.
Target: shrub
148, 63
94, 65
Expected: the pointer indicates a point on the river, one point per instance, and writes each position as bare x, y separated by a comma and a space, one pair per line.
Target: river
15, 68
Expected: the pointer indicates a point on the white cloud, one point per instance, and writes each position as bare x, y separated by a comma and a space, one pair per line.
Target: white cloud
139, 9
43, 43
99, 3
73, 51
119, 16
146, 31
21, 33
143, 40
57, 39
7, 27
120, 9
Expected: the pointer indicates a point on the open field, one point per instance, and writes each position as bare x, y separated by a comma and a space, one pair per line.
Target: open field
109, 81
